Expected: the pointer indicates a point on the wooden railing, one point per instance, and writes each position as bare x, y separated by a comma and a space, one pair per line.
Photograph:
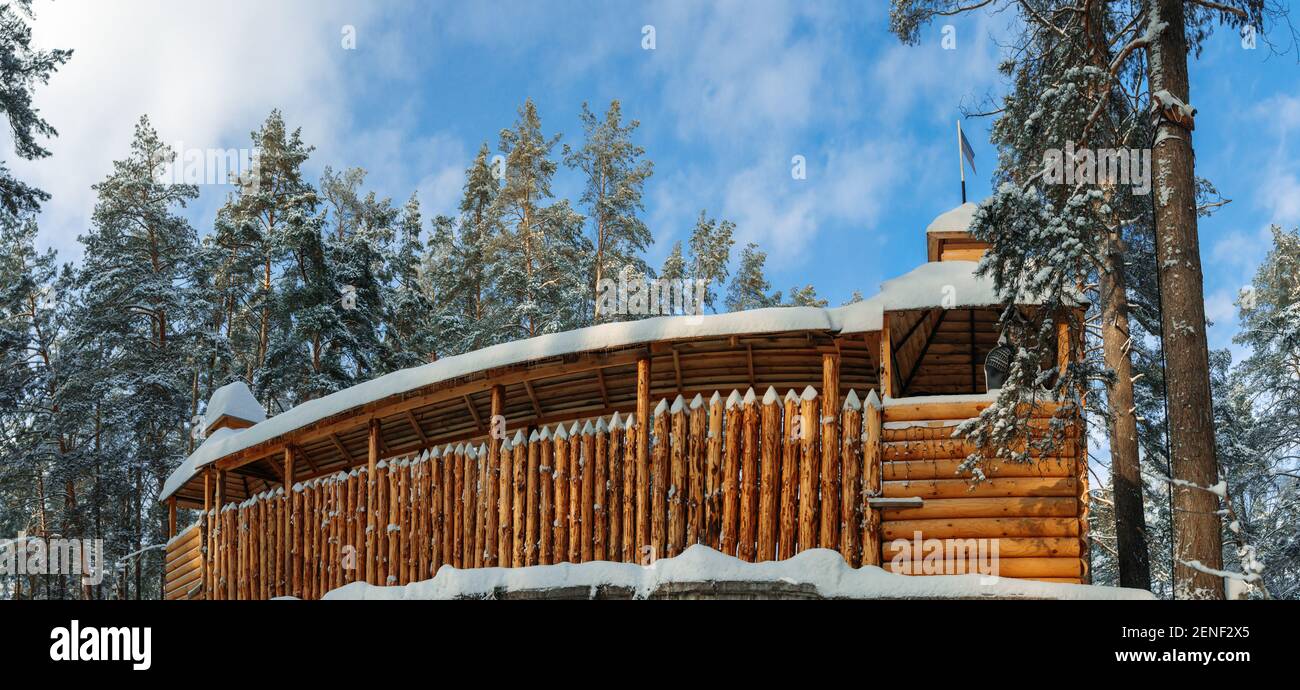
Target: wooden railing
758, 479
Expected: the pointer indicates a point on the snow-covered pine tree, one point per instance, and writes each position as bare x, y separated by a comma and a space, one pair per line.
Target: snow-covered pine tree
470, 312
30, 422
31, 448
749, 288
234, 254
136, 287
1270, 318
409, 336
359, 231
541, 258
615, 172
805, 296
674, 267
453, 325
710, 255
1258, 421
267, 206
22, 68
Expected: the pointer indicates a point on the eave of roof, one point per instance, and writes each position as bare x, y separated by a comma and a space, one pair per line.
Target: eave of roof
950, 284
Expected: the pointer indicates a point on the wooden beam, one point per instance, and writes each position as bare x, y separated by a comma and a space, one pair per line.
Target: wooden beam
604, 389
171, 517
974, 356
642, 457
1062, 345
343, 450
473, 412
532, 394
372, 500
908, 336
677, 368
415, 424
907, 382
829, 531
749, 358
493, 494
886, 360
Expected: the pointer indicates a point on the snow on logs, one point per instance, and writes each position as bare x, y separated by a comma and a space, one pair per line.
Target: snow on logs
758, 477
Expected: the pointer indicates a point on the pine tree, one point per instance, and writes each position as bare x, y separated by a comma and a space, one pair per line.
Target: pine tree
270, 205
409, 337
136, 287
541, 258
748, 290
615, 173
273, 210
358, 235
805, 296
30, 442
674, 267
20, 71
467, 291
453, 320
710, 247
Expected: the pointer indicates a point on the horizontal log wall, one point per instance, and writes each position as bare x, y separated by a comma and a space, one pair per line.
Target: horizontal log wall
183, 565
1032, 510
760, 479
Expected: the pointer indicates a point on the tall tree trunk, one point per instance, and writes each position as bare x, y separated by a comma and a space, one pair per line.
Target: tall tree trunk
1191, 431
1130, 521
1126, 476
139, 521
99, 502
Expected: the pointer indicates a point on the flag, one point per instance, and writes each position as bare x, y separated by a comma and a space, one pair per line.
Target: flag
966, 150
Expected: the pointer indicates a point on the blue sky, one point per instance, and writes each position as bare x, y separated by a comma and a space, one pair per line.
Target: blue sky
729, 94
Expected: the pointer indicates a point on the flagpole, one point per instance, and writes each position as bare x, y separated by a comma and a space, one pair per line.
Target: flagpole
961, 164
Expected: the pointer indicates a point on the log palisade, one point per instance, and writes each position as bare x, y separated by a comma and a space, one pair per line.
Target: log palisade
567, 493
758, 434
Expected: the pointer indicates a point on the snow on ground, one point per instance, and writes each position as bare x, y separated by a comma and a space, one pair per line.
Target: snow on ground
824, 569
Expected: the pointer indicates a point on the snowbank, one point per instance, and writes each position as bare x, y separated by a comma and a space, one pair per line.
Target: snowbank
823, 569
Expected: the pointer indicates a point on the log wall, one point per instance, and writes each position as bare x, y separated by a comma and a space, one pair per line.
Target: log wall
184, 564
1034, 511
760, 479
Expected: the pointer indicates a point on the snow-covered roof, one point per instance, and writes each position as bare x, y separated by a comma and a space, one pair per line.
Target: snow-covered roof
953, 220
951, 284
236, 401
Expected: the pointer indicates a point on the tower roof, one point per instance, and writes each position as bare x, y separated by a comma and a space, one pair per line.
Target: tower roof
233, 406
948, 237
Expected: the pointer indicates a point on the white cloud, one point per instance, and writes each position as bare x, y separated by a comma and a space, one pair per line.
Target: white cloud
207, 74
733, 70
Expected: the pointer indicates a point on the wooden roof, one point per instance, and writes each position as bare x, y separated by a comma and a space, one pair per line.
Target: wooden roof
557, 389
